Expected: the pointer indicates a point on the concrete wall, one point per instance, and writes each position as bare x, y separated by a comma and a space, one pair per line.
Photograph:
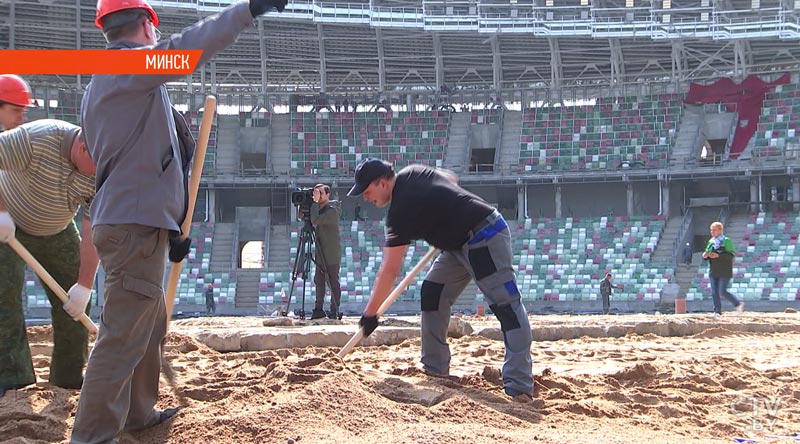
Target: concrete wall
541, 201
254, 140
228, 200
718, 126
252, 223
484, 136
592, 199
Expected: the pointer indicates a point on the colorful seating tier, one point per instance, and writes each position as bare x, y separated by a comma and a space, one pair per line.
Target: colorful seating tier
34, 293
778, 124
555, 260
486, 116
333, 143
767, 266
196, 273
565, 259
361, 257
254, 119
615, 132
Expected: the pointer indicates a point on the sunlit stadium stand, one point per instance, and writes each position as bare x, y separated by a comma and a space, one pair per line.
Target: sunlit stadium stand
332, 144
778, 124
565, 259
632, 131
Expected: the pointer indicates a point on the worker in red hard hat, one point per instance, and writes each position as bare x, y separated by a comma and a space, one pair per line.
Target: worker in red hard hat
105, 8
15, 98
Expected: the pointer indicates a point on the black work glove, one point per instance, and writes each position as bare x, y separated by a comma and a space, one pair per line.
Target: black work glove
258, 7
179, 249
369, 324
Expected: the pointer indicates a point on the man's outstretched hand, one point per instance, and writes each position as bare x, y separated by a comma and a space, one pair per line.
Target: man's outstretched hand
258, 7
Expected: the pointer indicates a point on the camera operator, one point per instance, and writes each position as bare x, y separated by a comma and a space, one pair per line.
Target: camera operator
325, 214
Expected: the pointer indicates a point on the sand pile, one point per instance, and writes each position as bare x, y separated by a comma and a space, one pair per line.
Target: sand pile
706, 388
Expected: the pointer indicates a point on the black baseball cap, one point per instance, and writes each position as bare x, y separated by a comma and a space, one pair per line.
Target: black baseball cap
366, 172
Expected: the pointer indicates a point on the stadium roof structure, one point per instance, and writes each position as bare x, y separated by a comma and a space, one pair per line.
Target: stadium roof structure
465, 46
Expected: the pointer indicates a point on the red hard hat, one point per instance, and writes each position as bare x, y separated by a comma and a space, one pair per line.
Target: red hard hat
14, 90
106, 7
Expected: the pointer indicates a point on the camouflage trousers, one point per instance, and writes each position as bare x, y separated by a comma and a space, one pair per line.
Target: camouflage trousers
59, 254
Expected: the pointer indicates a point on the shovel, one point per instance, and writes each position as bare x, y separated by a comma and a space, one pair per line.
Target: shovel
400, 288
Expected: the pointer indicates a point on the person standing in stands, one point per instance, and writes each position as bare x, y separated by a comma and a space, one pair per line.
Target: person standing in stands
606, 287
427, 203
720, 253
211, 306
357, 214
687, 254
143, 150
325, 214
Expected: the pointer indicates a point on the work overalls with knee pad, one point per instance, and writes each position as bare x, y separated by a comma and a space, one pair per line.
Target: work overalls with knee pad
487, 258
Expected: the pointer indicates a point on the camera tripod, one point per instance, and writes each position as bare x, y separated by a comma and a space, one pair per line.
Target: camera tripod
302, 265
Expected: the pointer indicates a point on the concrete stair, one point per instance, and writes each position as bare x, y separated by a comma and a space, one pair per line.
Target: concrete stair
227, 161
509, 143
222, 247
664, 250
735, 226
455, 157
684, 151
684, 274
279, 146
247, 288
466, 302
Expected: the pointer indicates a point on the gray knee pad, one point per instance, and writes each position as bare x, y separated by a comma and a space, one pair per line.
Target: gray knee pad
430, 295
505, 314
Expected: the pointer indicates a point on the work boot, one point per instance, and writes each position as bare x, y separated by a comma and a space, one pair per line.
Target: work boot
165, 415
159, 417
318, 313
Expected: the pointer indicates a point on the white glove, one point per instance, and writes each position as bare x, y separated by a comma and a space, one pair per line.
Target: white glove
78, 299
7, 227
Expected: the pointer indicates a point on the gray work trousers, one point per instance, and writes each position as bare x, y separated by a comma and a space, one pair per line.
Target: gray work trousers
120, 388
489, 263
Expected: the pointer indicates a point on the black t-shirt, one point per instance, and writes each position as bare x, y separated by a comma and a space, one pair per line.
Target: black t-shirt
427, 205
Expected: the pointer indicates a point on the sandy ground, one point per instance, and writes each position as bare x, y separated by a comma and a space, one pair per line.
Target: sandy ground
640, 388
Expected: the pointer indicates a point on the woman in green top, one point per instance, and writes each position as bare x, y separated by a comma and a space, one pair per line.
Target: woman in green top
719, 253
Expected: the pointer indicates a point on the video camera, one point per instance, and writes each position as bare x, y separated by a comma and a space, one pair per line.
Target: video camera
303, 198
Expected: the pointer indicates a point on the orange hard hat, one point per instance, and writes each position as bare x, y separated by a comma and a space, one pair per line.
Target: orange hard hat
14, 90
106, 7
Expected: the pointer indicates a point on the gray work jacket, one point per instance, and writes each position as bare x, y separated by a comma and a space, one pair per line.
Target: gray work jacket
141, 174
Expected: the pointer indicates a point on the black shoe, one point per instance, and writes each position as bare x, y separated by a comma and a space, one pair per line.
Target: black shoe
317, 314
165, 415
334, 316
